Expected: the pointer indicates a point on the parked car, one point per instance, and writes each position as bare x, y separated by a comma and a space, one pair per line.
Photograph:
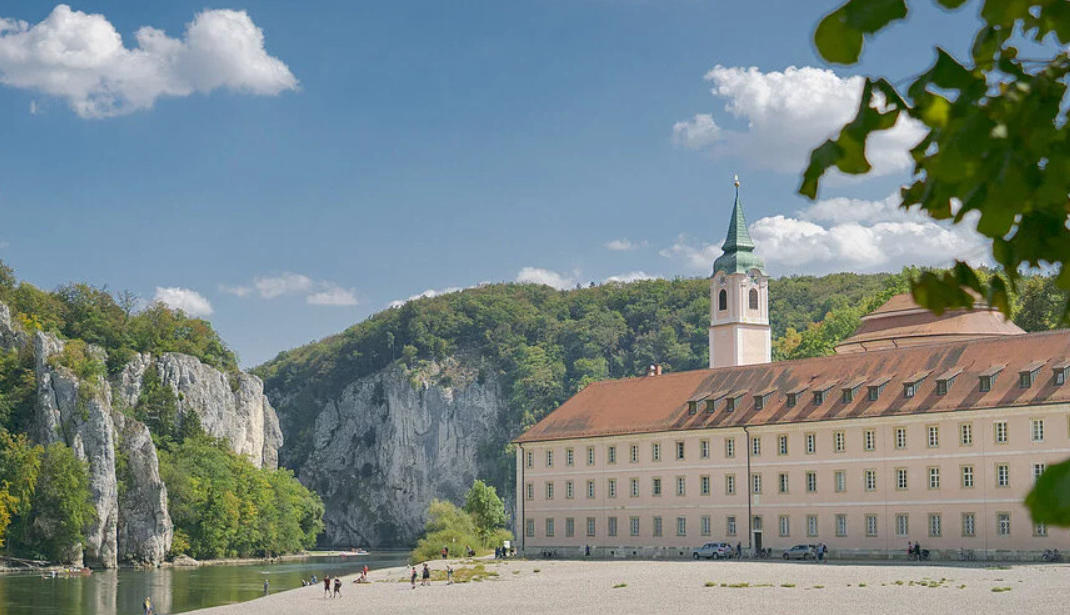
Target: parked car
800, 552
713, 550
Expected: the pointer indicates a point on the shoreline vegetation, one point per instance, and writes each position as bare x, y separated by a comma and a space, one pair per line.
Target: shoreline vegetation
36, 566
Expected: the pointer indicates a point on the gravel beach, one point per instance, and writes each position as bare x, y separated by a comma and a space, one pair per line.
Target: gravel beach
534, 586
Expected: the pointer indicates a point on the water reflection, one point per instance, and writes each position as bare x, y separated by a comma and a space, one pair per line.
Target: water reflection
173, 590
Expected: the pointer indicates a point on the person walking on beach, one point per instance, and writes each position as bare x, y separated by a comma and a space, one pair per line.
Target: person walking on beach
426, 576
266, 585
449, 574
413, 577
326, 585
337, 588
739, 550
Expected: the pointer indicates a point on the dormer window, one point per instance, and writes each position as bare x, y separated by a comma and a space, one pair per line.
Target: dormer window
987, 377
692, 407
759, 399
985, 384
1028, 375
910, 386
945, 380
792, 399
730, 404
1059, 378
942, 386
819, 396
848, 392
821, 390
711, 405
873, 391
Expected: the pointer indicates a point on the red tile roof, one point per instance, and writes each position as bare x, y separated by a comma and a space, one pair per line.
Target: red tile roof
659, 403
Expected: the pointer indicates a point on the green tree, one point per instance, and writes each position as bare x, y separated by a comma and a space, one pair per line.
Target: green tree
996, 145
20, 465
486, 508
60, 507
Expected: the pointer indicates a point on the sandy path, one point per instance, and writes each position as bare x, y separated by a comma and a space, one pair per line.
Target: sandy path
680, 587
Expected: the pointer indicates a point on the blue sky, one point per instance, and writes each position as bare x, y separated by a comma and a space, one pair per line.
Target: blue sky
372, 151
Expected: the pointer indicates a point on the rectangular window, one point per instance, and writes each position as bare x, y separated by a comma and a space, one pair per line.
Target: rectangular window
569, 489
590, 526
657, 526
902, 524
1000, 429
872, 393
590, 455
985, 384
839, 441
941, 387
655, 452
1025, 379
633, 523
1037, 430
782, 445
869, 440
1038, 469
681, 526
679, 450
811, 525
549, 491
934, 478
969, 525
711, 405
570, 527
590, 489
611, 488
967, 476
729, 447
1060, 376
819, 397
529, 491
1003, 475
840, 481
550, 458
900, 478
655, 486
934, 525
692, 407
704, 449
549, 527
756, 446
966, 434
729, 484
529, 528
730, 525
635, 487
611, 526
909, 389
681, 485
934, 436
633, 453
900, 437
570, 457
759, 402
531, 459
871, 525
756, 483
848, 396
871, 480
1040, 529
1003, 524
811, 482
784, 525
730, 404
811, 443
704, 484
611, 454
705, 522
782, 480
791, 399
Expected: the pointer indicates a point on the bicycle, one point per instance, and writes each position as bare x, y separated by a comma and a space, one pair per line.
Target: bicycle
967, 555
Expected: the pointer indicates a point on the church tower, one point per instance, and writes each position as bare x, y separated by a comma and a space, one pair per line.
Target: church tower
739, 299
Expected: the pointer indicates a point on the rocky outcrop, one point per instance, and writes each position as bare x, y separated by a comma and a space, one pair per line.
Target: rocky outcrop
144, 527
79, 415
390, 442
11, 334
232, 407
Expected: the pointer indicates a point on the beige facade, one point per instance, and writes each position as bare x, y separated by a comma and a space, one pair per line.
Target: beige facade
952, 481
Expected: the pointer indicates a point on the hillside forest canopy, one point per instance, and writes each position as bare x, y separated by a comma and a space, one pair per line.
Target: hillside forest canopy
220, 503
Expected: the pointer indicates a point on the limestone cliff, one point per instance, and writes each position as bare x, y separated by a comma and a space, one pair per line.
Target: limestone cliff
388, 443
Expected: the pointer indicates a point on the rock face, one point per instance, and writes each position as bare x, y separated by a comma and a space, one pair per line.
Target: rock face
391, 442
144, 527
230, 407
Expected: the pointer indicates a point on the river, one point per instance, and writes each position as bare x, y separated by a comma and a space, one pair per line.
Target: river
173, 590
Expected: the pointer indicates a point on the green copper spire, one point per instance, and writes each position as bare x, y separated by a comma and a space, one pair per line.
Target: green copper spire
739, 256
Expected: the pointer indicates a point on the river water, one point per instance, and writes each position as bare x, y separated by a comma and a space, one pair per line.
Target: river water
173, 590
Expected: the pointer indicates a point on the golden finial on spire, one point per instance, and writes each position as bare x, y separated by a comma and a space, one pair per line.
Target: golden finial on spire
735, 179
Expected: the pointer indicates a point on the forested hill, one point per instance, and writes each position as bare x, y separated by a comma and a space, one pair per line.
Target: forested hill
547, 344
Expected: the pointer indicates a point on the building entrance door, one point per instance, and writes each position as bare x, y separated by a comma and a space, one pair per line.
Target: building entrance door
757, 540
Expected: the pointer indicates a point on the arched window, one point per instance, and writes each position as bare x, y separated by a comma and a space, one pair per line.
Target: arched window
722, 300
753, 298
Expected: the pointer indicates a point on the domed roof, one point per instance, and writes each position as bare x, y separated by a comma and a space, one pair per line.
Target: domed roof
902, 322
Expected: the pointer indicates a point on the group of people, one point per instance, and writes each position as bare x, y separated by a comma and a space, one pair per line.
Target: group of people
915, 552
502, 552
821, 551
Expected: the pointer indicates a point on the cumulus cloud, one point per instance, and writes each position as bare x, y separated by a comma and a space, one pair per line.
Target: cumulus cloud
842, 234
789, 113
624, 245
189, 301
333, 295
632, 276
537, 275
82, 59
430, 292
269, 287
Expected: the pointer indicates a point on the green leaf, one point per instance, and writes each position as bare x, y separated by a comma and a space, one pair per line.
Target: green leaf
951, 4
1049, 501
837, 41
821, 159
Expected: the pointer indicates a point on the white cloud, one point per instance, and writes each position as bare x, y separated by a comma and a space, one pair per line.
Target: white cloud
842, 234
239, 291
789, 113
430, 292
269, 287
536, 275
189, 301
34, 109
624, 245
698, 132
632, 276
333, 295
81, 58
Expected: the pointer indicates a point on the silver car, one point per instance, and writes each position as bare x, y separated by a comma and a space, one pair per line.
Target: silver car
801, 552
713, 550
